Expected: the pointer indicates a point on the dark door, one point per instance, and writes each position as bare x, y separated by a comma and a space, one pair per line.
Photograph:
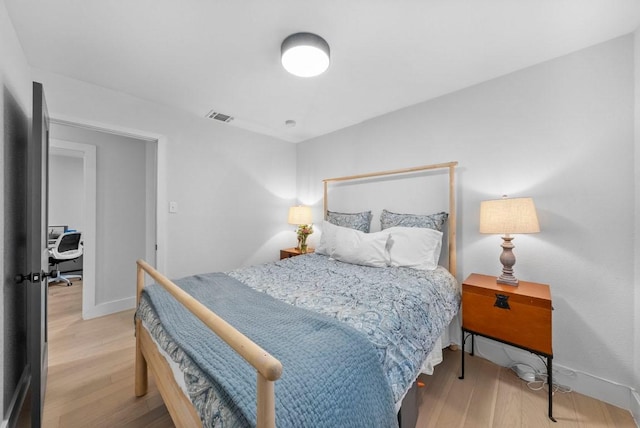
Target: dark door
37, 252
16, 370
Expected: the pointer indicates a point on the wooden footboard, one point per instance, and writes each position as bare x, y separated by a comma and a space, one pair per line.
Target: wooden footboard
180, 408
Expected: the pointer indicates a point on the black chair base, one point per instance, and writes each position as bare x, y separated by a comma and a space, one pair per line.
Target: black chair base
63, 278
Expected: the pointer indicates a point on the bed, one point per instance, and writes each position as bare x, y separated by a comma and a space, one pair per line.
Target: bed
350, 338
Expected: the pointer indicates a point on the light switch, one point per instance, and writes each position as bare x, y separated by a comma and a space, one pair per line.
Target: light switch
173, 207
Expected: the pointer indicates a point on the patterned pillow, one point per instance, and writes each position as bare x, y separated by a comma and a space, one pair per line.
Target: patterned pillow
358, 221
431, 221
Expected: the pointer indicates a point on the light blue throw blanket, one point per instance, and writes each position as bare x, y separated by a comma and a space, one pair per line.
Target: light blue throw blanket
332, 374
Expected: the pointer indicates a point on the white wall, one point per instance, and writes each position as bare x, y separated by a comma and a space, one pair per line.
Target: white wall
636, 257
66, 191
233, 187
560, 132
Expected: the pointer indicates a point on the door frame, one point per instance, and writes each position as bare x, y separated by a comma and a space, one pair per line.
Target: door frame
87, 153
37, 252
89, 307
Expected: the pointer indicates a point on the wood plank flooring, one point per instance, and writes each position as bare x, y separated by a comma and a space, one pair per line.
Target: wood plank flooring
91, 372
493, 396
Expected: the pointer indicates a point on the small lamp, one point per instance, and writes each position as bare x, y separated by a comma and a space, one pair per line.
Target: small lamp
507, 216
301, 217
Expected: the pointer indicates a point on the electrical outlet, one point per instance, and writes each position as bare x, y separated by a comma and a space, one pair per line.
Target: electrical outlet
173, 207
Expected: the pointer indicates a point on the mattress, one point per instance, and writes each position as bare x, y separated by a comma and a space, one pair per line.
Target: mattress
402, 311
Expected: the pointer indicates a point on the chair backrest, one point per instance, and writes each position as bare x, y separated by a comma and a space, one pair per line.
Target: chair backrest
68, 246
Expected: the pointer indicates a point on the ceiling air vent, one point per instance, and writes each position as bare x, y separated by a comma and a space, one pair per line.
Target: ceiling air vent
219, 116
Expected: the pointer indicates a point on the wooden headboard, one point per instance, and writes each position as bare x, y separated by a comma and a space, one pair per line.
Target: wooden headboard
451, 237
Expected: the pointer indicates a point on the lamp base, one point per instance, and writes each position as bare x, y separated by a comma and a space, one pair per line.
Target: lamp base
508, 280
508, 259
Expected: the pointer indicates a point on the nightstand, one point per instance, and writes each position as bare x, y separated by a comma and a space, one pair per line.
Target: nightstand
516, 315
291, 252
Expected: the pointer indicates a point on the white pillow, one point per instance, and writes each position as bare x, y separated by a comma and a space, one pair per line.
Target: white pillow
414, 247
359, 248
327, 242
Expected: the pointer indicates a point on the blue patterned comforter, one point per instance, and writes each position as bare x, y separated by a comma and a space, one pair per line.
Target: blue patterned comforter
401, 311
332, 374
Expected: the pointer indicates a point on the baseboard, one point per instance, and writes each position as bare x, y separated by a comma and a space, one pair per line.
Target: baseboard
17, 401
108, 308
614, 393
635, 406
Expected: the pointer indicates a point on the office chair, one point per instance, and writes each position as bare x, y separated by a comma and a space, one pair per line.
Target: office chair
68, 246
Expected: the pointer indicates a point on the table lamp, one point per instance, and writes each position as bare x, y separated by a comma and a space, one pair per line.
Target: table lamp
301, 217
506, 216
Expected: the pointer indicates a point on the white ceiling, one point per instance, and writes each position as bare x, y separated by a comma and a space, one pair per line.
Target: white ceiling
198, 55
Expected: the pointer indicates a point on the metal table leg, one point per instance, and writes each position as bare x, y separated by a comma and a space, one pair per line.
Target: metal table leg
550, 384
464, 340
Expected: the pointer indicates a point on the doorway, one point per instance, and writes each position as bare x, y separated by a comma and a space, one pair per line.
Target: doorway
118, 206
73, 205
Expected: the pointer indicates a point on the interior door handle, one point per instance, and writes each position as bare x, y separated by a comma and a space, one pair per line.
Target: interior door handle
35, 277
51, 274
31, 277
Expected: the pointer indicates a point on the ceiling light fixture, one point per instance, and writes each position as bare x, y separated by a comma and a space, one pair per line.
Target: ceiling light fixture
305, 54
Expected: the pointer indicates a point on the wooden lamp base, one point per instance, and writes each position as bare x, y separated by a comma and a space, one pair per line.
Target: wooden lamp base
508, 259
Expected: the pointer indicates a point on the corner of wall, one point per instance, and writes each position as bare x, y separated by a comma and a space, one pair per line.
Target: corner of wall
635, 406
108, 308
636, 246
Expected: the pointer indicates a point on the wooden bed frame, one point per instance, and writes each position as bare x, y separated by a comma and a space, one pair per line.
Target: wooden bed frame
452, 198
268, 369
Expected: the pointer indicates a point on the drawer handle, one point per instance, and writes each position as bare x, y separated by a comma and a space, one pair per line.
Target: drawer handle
502, 301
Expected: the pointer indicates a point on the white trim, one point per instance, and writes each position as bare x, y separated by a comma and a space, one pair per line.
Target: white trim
636, 241
89, 171
97, 126
110, 307
161, 203
635, 406
151, 194
588, 384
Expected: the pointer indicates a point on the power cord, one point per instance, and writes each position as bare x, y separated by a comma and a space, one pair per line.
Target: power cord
540, 381
524, 371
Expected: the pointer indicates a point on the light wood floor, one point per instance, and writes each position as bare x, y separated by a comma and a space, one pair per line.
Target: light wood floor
90, 381
91, 372
493, 396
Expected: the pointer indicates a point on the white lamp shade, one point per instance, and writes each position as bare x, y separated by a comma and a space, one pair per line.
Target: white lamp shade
300, 215
305, 54
505, 216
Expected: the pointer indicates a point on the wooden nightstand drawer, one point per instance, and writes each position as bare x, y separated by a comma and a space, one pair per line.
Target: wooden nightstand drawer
292, 252
518, 315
